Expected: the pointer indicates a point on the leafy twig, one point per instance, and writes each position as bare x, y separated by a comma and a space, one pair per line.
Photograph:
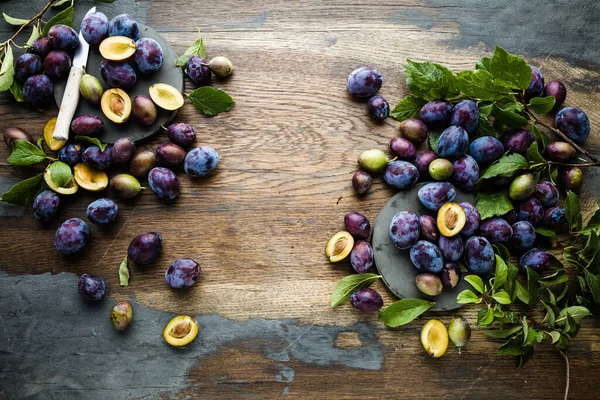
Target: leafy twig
36, 17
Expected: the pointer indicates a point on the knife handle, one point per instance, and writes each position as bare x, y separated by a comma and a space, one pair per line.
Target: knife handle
68, 104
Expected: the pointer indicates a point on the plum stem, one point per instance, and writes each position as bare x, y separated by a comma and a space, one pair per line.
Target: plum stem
36, 17
564, 137
564, 354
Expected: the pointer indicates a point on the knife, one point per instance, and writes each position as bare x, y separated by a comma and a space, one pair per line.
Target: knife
70, 99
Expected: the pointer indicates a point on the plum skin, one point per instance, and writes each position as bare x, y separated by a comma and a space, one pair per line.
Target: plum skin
404, 229
201, 161
378, 108
124, 25
486, 149
465, 173
426, 256
96, 158
423, 160
45, 205
94, 28
453, 143
428, 228
466, 115
27, 65
554, 216
198, 70
361, 182
479, 255
560, 151
558, 90
436, 114
574, 123
102, 211
413, 130
401, 174
41, 46
182, 273
518, 141
496, 230
433, 195
361, 257
536, 86
357, 225
118, 74
123, 150
523, 237
91, 288
472, 224
71, 236
87, 125
366, 300
452, 248
536, 259
364, 82
164, 183
403, 148
63, 37
38, 91
145, 248
530, 210
181, 134
148, 55
170, 155
70, 154
547, 193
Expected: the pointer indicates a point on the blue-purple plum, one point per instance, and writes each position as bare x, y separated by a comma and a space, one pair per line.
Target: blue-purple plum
102, 211
145, 248
364, 82
181, 134
403, 148
91, 288
378, 108
198, 71
436, 114
574, 123
27, 65
201, 161
560, 152
486, 149
361, 182
536, 85
361, 257
472, 219
450, 275
124, 25
404, 229
518, 141
558, 90
452, 248
41, 46
63, 37
530, 210
94, 28
118, 74
170, 155
465, 173
87, 125
71, 236
148, 56
426, 256
466, 115
413, 129
570, 178
495, 230
183, 273
554, 216
428, 228
433, 195
358, 225
511, 216
70, 154
453, 143
536, 259
38, 91
164, 183
96, 158
479, 255
366, 300
45, 205
423, 160
523, 237
546, 193
123, 150
401, 174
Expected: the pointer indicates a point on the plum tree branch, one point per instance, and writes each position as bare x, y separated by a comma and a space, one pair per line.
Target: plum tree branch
35, 17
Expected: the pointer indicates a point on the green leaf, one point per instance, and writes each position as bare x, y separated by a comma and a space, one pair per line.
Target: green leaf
429, 80
593, 283
36, 33
409, 107
506, 166
350, 284
17, 91
14, 21
62, 3
542, 105
575, 312
7, 71
64, 17
485, 109
531, 336
484, 128
476, 282
124, 272
550, 317
507, 117
502, 251
500, 274
509, 69
501, 297
433, 138
533, 154
467, 296
403, 311
540, 137
555, 336
484, 63
521, 292
533, 288
511, 281
485, 316
491, 204
546, 232
25, 153
211, 101
503, 333
61, 173
196, 49
182, 61
555, 279
573, 210
23, 192
514, 347
90, 140
480, 84
594, 222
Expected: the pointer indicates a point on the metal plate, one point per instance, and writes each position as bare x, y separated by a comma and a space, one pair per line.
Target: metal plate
394, 265
168, 73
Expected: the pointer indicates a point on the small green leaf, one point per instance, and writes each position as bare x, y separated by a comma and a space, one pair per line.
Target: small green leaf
509, 69
502, 251
23, 192
593, 283
124, 272
61, 173
65, 17
506, 166
211, 101
575, 312
533, 288
573, 210
503, 333
507, 117
500, 274
467, 296
514, 347
501, 297
182, 61
550, 317
479, 84
17, 91
430, 81
485, 316
409, 107
196, 49
36, 33
476, 282
25, 153
484, 63
491, 204
350, 284
546, 232
556, 278
403, 311
7, 71
62, 3
540, 137
555, 336
521, 292
484, 128
91, 140
14, 21
534, 156
542, 105
433, 138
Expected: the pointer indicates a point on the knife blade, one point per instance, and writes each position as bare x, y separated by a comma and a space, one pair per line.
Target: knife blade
70, 99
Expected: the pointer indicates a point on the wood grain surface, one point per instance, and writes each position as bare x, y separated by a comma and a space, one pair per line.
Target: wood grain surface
259, 224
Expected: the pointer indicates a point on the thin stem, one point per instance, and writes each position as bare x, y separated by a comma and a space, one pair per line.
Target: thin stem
564, 354
37, 16
564, 137
585, 164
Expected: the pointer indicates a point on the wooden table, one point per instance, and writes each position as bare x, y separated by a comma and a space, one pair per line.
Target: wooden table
258, 225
